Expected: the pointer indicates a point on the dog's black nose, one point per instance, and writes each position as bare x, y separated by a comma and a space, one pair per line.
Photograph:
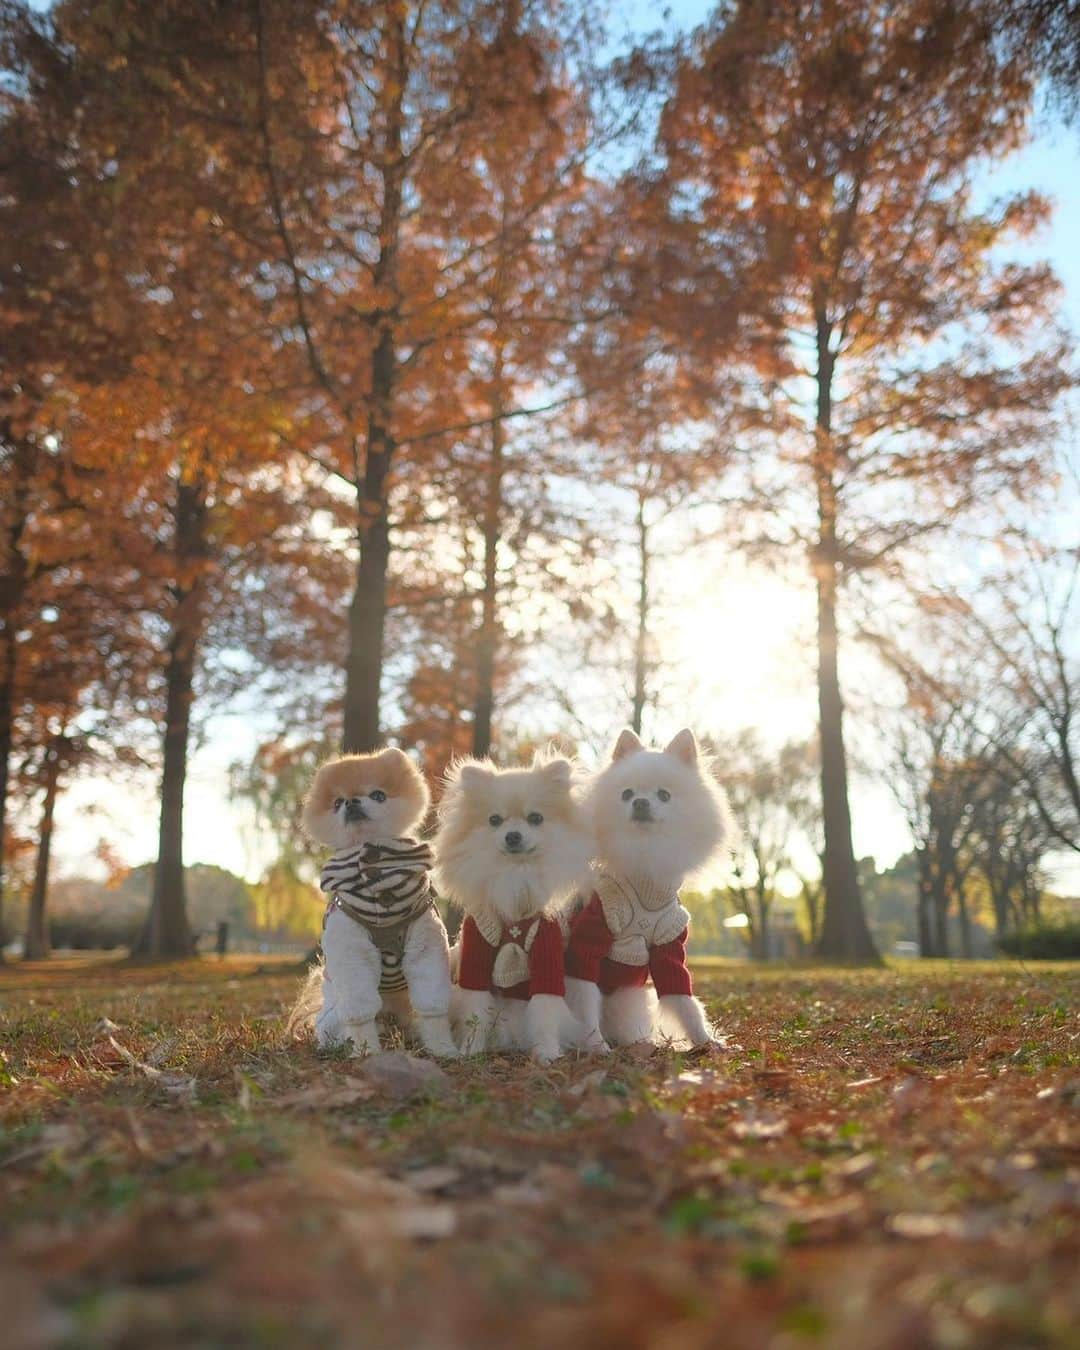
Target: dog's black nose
641, 810
513, 838
354, 810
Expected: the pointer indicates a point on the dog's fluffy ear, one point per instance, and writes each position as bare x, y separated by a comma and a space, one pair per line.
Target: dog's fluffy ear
627, 744
393, 757
470, 774
557, 771
683, 746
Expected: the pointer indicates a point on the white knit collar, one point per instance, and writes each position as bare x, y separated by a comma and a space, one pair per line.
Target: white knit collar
640, 890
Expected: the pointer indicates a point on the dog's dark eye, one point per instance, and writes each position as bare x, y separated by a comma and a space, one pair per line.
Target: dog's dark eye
377, 795
663, 794
627, 794
339, 802
495, 820
535, 818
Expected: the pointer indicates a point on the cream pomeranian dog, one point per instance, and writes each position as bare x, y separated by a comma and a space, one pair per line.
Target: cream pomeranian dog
510, 848
383, 941
658, 817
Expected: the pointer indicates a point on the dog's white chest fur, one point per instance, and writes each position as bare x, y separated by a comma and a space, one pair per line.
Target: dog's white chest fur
638, 916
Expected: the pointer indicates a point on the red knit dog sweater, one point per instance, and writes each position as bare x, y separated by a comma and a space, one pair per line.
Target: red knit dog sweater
515, 960
626, 933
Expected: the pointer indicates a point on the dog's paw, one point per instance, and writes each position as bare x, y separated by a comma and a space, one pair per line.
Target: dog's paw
706, 1049
364, 1037
436, 1038
545, 1054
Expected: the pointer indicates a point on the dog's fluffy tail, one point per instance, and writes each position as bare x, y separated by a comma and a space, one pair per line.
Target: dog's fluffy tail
301, 1019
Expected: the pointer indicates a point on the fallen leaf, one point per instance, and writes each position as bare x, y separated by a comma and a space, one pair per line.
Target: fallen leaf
754, 1126
773, 1080
855, 1168
828, 1222
401, 1077
921, 1227
375, 1207
328, 1096
178, 1085
432, 1178
700, 1078
586, 1084
907, 1096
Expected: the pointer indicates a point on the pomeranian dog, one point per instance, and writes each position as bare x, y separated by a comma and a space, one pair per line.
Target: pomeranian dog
384, 944
510, 848
658, 817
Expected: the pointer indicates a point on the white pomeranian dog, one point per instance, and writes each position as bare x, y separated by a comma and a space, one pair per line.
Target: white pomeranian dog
658, 816
510, 848
383, 941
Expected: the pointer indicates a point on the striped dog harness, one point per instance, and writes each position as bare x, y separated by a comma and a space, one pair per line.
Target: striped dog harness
384, 887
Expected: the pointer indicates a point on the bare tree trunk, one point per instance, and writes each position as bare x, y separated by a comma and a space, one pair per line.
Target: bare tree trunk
37, 929
641, 643
13, 585
367, 612
812, 902
166, 932
762, 926
924, 905
8, 652
966, 948
940, 911
844, 934
487, 644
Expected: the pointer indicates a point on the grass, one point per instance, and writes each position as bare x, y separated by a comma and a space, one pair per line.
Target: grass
880, 1159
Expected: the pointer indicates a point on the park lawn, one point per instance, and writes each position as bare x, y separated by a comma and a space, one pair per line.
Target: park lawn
880, 1159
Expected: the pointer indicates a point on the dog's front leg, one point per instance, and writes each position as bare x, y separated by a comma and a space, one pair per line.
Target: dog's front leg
353, 968
426, 964
546, 1020
629, 1015
684, 1013
584, 1000
472, 1012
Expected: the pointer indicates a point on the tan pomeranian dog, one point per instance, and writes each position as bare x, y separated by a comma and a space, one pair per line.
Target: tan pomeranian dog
384, 944
659, 816
510, 848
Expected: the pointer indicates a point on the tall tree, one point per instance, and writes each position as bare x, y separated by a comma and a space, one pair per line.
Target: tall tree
385, 266
913, 383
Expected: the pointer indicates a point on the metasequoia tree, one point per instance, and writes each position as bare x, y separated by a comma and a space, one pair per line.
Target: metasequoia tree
909, 384
54, 317
193, 430
384, 268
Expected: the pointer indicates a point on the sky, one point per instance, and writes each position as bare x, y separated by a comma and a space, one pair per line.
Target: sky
737, 642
